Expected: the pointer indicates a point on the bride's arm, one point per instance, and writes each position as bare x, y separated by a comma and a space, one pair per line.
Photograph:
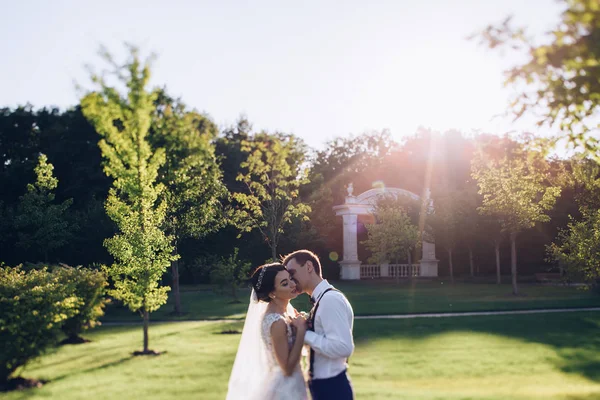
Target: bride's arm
287, 359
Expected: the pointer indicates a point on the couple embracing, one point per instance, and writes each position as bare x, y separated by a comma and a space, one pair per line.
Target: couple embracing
267, 365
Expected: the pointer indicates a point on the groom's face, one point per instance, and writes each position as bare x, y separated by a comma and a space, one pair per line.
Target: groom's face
299, 273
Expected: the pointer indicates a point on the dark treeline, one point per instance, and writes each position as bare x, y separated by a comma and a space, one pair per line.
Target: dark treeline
373, 159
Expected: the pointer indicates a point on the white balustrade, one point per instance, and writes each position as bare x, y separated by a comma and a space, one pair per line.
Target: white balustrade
372, 271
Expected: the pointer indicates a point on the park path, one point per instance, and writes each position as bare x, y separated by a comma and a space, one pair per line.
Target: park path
395, 316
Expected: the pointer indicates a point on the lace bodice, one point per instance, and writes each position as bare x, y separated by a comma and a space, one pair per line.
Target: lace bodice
268, 320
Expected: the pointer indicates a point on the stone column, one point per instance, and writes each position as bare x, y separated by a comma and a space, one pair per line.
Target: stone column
429, 264
384, 270
350, 264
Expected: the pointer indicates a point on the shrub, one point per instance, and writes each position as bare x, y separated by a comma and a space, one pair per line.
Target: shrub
33, 307
90, 287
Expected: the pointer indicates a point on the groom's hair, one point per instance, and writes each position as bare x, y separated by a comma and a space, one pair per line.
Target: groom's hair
301, 257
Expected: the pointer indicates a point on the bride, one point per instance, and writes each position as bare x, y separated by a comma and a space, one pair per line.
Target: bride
267, 364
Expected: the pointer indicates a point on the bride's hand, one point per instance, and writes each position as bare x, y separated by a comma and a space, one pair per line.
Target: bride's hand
299, 323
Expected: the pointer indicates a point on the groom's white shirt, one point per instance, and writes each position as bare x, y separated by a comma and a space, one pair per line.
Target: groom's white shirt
332, 337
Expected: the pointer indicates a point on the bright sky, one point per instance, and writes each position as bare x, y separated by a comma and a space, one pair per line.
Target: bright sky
318, 69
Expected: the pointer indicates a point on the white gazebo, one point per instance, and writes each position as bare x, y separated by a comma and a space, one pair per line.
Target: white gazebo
352, 267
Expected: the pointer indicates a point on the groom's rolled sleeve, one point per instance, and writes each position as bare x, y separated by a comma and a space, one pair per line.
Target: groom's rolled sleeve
335, 318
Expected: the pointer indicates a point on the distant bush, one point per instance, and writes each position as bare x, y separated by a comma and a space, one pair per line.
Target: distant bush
230, 272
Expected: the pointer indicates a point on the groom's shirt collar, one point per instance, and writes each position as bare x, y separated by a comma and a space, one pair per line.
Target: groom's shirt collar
321, 287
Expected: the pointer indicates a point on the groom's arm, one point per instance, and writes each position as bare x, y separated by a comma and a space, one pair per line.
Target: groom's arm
336, 319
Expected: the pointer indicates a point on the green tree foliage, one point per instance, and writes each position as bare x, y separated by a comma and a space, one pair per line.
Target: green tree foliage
560, 81
517, 191
141, 249
194, 190
272, 175
33, 307
577, 247
393, 236
41, 222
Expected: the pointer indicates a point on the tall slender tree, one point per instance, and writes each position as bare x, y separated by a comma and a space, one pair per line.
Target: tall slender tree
141, 249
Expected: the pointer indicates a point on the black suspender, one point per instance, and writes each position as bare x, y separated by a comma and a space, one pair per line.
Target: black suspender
311, 327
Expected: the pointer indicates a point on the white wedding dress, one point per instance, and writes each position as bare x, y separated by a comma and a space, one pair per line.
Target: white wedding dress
256, 374
281, 387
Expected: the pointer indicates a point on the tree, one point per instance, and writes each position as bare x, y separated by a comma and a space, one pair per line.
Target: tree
393, 236
516, 190
70, 143
577, 247
471, 224
272, 175
493, 231
191, 176
40, 222
560, 81
141, 249
446, 221
230, 271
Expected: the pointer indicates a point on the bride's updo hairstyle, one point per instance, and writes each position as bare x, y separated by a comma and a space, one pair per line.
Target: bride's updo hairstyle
263, 280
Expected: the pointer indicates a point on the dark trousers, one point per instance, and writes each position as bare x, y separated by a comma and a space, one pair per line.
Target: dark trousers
336, 388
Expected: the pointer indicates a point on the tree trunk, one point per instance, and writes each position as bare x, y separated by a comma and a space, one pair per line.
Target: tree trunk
233, 292
451, 267
274, 252
175, 284
146, 323
513, 262
497, 249
471, 261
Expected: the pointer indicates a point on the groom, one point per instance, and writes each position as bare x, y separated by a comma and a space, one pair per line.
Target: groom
330, 328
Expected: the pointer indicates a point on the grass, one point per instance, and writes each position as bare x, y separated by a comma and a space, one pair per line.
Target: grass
550, 356
375, 298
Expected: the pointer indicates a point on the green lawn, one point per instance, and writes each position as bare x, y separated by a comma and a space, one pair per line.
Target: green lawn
372, 298
545, 356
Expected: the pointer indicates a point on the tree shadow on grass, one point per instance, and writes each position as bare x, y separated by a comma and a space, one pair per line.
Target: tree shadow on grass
574, 336
29, 392
93, 369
